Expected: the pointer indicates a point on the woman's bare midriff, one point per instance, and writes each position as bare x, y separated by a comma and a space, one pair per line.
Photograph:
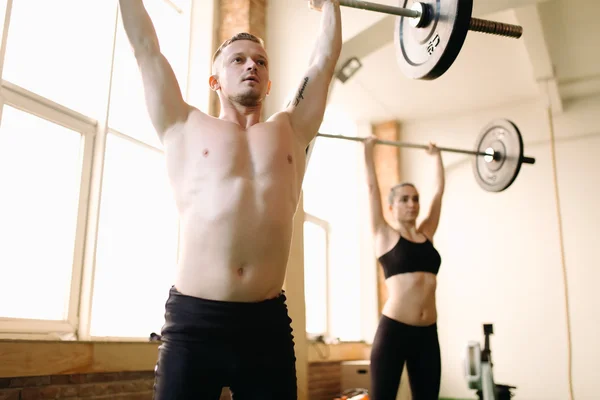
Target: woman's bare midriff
411, 298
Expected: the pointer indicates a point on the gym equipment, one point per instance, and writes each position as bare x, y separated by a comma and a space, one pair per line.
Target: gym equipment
498, 151
479, 370
430, 34
354, 394
500, 137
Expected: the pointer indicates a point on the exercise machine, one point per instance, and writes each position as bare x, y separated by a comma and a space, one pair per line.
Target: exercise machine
479, 370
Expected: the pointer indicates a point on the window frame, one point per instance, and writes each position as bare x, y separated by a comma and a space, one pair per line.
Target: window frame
368, 266
31, 103
94, 134
321, 223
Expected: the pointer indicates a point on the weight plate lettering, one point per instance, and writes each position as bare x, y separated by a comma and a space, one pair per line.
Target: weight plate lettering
428, 52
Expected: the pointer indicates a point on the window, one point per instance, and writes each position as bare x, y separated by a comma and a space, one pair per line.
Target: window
66, 58
86, 210
40, 172
333, 187
137, 242
138, 227
316, 265
128, 113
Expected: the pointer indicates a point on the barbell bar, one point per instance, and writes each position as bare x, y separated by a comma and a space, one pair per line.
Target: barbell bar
421, 12
498, 151
488, 153
430, 34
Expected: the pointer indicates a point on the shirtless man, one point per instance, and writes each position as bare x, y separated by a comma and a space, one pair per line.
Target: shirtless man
236, 182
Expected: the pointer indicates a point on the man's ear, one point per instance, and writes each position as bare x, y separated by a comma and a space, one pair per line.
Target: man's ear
268, 88
213, 82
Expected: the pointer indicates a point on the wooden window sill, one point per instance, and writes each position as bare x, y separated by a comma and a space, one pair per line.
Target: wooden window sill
41, 358
322, 353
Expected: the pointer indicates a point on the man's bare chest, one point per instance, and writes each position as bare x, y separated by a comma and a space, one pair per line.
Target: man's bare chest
250, 154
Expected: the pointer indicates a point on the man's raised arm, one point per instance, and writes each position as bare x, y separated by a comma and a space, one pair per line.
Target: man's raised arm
307, 107
164, 101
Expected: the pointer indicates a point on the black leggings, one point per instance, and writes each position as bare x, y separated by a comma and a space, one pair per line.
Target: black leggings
396, 343
208, 345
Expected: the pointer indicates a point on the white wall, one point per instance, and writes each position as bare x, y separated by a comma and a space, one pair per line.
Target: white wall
291, 34
501, 251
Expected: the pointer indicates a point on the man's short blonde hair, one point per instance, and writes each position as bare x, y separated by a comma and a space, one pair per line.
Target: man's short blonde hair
235, 38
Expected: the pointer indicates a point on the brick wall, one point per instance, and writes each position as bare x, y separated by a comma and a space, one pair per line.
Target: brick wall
234, 16
105, 386
324, 383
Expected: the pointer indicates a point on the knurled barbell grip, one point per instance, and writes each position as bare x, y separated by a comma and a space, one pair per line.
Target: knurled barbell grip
495, 28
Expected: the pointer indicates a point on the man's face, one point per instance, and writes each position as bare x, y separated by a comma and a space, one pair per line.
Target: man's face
243, 74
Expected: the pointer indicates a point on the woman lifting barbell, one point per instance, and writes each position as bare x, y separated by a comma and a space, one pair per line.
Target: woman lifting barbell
407, 330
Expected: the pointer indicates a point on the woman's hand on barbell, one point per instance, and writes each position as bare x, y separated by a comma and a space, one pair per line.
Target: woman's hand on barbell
318, 4
432, 149
370, 142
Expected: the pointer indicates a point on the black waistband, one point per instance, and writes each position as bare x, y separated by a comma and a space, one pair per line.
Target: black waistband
188, 315
402, 325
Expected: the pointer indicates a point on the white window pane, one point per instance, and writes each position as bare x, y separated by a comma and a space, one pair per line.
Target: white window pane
315, 278
128, 112
40, 173
61, 50
345, 284
137, 242
332, 187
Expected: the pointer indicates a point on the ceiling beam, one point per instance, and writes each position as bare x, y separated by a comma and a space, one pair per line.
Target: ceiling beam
484, 7
539, 55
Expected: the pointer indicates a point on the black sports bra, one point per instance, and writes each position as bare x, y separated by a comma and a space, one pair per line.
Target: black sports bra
407, 256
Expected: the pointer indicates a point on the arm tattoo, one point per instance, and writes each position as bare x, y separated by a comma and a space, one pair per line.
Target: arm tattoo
301, 92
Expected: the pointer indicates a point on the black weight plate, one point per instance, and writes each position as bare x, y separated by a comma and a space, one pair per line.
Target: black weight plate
428, 52
498, 174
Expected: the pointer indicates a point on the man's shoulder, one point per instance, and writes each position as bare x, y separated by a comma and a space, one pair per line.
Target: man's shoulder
195, 119
283, 121
285, 118
280, 116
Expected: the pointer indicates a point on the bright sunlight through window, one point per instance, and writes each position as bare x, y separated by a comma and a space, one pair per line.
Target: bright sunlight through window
67, 57
137, 242
40, 172
331, 190
315, 277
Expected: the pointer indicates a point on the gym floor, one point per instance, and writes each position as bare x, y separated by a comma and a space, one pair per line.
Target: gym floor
522, 259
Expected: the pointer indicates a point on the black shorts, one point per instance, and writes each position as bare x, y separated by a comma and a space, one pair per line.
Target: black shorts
208, 345
396, 343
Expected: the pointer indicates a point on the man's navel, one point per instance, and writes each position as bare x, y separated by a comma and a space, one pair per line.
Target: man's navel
290, 159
